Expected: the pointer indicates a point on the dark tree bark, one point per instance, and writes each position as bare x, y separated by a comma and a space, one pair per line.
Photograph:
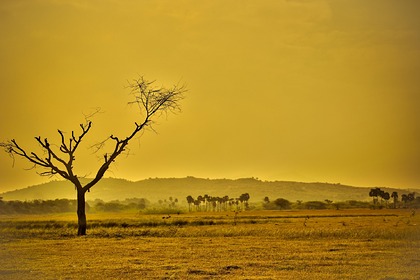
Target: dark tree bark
151, 101
81, 212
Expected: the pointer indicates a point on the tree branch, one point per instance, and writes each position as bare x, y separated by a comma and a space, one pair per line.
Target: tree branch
152, 101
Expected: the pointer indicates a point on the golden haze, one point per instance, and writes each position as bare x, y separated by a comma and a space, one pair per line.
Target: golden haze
281, 90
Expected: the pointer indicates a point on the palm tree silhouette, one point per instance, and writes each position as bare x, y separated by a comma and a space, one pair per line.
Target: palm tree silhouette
375, 193
190, 201
394, 195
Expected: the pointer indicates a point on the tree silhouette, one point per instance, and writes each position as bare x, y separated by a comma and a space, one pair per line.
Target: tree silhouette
216, 203
225, 202
244, 199
152, 102
197, 204
386, 196
407, 198
282, 203
394, 195
190, 201
411, 196
375, 193
200, 200
206, 199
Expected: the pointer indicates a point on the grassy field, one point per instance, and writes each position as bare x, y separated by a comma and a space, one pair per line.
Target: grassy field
323, 244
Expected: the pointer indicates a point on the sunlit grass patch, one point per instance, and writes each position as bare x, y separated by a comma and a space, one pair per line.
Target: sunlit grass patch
298, 226
254, 245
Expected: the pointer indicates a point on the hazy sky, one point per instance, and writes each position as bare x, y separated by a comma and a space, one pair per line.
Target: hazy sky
300, 90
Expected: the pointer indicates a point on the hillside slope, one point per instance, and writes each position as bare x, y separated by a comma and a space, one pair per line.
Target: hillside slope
155, 189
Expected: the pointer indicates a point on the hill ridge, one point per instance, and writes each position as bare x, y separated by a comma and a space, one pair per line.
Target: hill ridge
155, 189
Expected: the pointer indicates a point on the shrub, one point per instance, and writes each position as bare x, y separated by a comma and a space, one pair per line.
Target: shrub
315, 205
278, 204
282, 203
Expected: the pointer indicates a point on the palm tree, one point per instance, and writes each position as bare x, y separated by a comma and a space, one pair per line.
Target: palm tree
394, 195
381, 194
206, 200
197, 204
213, 203
231, 203
386, 196
375, 193
404, 198
190, 201
225, 202
220, 203
244, 198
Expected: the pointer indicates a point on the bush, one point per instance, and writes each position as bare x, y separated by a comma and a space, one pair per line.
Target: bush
278, 204
315, 205
282, 203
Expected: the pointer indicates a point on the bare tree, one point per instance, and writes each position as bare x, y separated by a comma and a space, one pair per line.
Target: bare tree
152, 102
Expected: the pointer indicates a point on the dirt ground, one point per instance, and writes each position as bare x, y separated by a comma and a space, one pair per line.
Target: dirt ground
251, 251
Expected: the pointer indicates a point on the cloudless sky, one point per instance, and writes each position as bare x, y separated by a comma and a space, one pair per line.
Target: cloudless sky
298, 90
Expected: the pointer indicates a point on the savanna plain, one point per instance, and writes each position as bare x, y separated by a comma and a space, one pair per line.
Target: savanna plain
301, 244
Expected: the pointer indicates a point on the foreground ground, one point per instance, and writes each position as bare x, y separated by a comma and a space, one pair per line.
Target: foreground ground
351, 244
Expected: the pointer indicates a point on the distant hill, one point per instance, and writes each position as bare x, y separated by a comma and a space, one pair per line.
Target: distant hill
155, 189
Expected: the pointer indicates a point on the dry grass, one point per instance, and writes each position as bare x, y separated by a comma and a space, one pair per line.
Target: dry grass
354, 244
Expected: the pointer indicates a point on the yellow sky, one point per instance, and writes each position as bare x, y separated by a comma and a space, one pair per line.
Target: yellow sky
280, 90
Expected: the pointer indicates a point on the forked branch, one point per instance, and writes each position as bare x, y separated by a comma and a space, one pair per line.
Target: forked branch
51, 161
152, 101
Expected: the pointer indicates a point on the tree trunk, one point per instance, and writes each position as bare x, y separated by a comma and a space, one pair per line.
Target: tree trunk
81, 212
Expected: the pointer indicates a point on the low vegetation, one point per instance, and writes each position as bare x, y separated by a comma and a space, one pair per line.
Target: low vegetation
211, 239
203, 203
269, 244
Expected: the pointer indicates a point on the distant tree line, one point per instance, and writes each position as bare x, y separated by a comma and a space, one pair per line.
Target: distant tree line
284, 204
207, 203
171, 202
381, 199
215, 203
38, 206
129, 204
69, 205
